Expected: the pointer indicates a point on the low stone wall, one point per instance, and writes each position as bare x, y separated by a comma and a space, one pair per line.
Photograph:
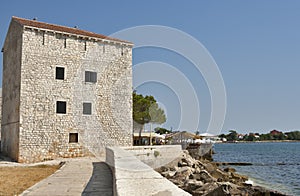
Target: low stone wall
133, 177
155, 156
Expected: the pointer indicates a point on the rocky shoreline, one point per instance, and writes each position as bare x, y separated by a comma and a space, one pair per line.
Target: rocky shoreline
206, 178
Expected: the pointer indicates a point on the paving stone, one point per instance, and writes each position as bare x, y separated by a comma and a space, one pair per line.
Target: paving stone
82, 176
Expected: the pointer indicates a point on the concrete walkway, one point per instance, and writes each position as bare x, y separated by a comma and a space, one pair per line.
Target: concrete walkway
81, 176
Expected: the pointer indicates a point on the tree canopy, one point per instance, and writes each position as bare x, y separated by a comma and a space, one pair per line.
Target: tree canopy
161, 130
146, 110
278, 135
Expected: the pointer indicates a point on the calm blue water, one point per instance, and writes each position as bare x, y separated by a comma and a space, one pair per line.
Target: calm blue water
276, 165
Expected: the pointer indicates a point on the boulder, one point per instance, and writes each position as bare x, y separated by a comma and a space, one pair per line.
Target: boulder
197, 170
164, 169
182, 164
263, 191
192, 184
209, 167
206, 188
173, 168
168, 174
177, 182
239, 177
183, 172
220, 175
229, 169
206, 177
187, 160
218, 191
195, 176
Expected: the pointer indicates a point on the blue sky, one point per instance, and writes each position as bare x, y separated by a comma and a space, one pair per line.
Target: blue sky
255, 44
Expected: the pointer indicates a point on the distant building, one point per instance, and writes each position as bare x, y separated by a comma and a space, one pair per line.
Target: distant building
146, 138
66, 92
275, 132
183, 138
241, 136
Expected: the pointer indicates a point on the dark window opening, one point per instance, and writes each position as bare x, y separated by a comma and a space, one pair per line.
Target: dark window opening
87, 108
60, 73
65, 43
43, 39
73, 137
61, 107
85, 46
90, 76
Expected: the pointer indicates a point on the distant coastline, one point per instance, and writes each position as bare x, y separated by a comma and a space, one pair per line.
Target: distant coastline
262, 141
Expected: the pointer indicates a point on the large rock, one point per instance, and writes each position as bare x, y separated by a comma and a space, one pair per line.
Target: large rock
221, 176
168, 174
219, 191
184, 172
229, 169
192, 184
239, 176
206, 177
209, 167
187, 161
206, 188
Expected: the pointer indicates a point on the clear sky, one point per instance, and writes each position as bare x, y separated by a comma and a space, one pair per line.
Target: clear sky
256, 45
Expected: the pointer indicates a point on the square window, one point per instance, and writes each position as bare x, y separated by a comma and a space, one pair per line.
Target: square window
90, 76
61, 107
87, 108
60, 73
73, 137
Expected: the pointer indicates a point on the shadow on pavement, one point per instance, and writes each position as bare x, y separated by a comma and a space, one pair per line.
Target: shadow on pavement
101, 181
5, 158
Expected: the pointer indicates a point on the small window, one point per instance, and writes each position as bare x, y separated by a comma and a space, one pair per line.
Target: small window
87, 108
90, 76
60, 73
43, 39
73, 137
61, 107
65, 43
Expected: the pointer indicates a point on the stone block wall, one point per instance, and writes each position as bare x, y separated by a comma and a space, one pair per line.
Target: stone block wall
11, 101
0, 113
155, 156
44, 134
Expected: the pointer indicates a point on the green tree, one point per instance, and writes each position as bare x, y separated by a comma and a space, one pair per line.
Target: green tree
266, 136
294, 135
222, 135
250, 137
157, 114
232, 136
146, 110
161, 130
281, 136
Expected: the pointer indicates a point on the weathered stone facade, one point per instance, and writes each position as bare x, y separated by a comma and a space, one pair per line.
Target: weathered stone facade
0, 113
32, 130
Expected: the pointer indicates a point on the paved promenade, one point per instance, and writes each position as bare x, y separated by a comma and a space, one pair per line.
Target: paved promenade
80, 176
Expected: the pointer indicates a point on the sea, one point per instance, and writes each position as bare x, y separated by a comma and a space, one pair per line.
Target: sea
276, 165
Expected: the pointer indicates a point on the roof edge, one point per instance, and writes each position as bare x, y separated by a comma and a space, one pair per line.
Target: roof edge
67, 30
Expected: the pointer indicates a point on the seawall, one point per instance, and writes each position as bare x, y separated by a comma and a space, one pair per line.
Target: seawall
133, 177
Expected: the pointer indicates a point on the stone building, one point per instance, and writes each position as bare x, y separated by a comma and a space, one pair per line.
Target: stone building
0, 114
66, 92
